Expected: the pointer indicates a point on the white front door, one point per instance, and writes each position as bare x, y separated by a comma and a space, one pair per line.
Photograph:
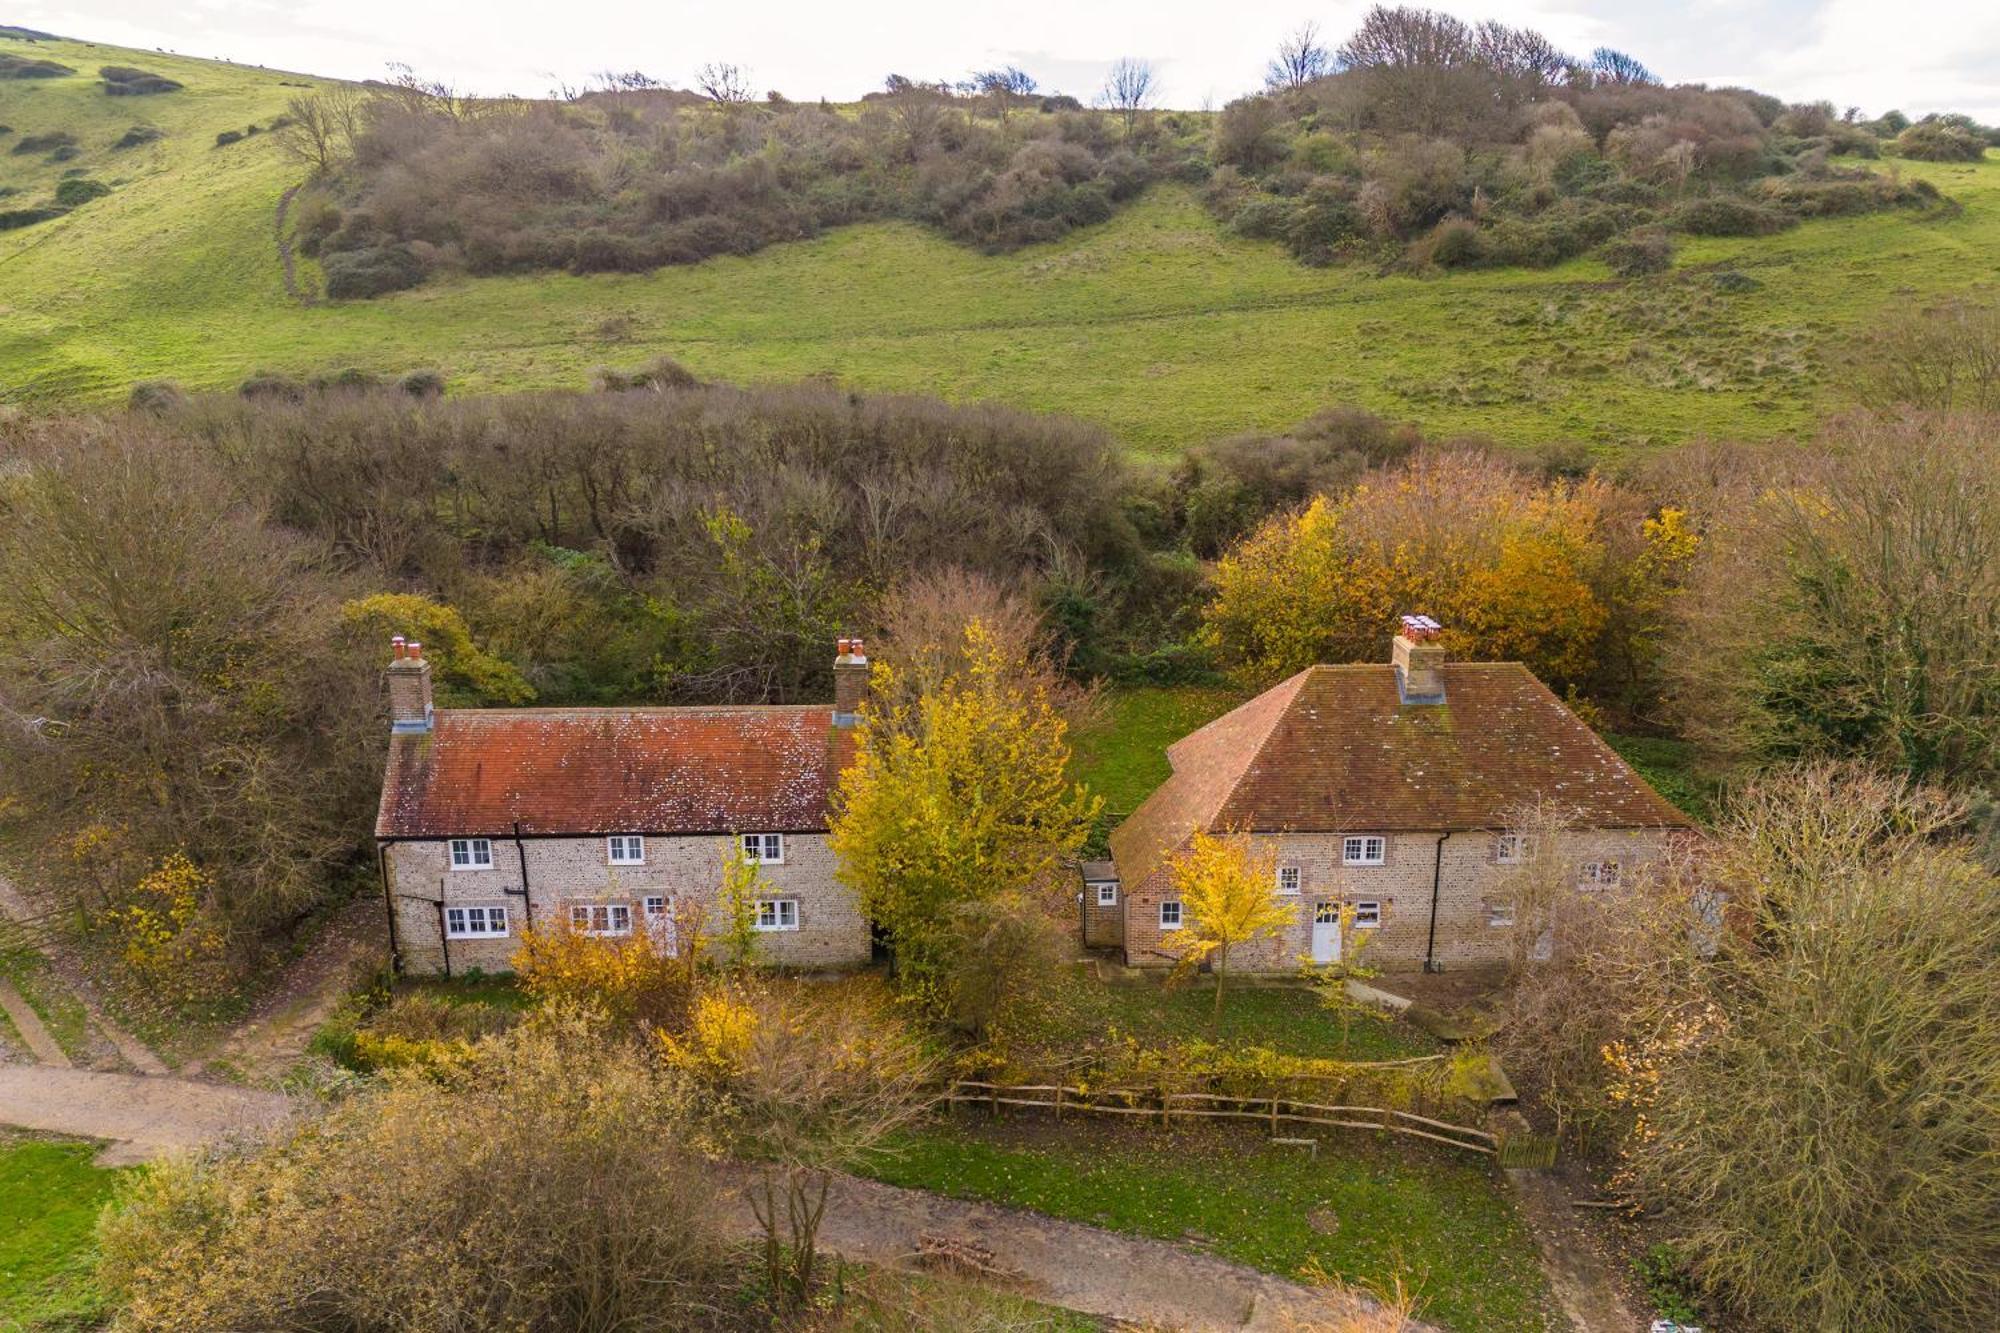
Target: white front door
1326, 932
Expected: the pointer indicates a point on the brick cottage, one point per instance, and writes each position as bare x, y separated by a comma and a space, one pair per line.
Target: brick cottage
610, 821
1388, 788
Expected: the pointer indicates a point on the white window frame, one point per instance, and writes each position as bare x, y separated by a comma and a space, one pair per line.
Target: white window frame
654, 905
616, 919
1368, 914
1107, 894
1298, 880
1179, 921
758, 849
459, 923
1500, 913
474, 849
625, 849
1351, 856
783, 914
1594, 875
1510, 849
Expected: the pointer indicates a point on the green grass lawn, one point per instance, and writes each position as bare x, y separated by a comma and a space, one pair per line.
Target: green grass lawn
1123, 754
1073, 1008
50, 1196
1157, 324
1442, 1221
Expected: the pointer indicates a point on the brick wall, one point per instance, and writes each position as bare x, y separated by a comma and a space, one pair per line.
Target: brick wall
686, 871
1471, 880
1103, 927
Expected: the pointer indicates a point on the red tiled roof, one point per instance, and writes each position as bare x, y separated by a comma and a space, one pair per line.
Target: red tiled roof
1334, 749
613, 770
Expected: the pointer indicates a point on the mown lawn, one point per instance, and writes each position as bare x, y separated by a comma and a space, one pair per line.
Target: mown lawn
50, 1196
1157, 324
1365, 1212
1072, 1007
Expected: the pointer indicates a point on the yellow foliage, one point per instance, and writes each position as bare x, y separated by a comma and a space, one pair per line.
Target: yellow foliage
1510, 569
1229, 895
717, 1039
628, 979
465, 673
168, 939
959, 796
389, 1050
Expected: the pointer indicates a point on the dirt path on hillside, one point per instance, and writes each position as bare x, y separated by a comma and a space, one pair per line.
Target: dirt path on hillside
262, 1048
1127, 1278
1578, 1274
18, 908
41, 1044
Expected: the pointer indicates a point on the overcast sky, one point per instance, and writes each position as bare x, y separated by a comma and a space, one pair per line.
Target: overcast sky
1919, 55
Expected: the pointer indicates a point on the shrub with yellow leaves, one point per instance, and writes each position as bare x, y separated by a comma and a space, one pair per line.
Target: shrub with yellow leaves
167, 938
631, 981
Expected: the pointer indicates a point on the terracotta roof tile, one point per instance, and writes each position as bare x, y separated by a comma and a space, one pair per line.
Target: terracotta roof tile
1334, 749
613, 770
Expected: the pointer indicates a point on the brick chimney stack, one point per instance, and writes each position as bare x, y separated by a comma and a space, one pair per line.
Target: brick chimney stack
850, 682
409, 687
1419, 661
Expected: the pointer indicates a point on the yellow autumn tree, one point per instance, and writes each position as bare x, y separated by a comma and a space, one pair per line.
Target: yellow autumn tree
1228, 888
955, 797
1509, 566
466, 674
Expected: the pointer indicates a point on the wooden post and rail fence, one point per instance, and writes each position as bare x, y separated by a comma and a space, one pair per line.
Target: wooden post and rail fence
1272, 1111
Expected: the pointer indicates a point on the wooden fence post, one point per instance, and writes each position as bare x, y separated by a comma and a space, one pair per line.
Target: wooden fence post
1274, 1115
993, 1104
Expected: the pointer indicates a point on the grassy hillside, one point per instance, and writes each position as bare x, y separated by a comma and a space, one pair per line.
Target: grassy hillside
1157, 324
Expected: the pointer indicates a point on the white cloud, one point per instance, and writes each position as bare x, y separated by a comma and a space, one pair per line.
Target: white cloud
1920, 55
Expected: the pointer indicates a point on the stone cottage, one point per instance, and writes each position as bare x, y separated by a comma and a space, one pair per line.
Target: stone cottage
1386, 788
612, 821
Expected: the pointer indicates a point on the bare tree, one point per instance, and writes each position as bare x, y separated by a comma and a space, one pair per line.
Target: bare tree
319, 130
1609, 66
723, 83
1407, 38
1300, 59
1003, 87
1521, 53
421, 96
1129, 89
627, 81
